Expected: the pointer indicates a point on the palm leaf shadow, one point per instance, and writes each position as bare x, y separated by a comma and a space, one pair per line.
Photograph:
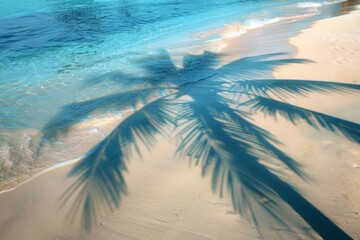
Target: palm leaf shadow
315, 119
100, 182
212, 132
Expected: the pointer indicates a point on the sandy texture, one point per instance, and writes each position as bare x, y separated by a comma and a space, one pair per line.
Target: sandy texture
168, 200
332, 161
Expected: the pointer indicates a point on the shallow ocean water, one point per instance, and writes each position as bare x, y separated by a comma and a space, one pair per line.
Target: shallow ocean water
54, 53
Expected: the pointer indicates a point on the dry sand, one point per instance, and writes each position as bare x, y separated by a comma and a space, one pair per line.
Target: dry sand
332, 161
168, 200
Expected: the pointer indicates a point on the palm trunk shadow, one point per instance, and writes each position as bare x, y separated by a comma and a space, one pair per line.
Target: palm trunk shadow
241, 165
213, 132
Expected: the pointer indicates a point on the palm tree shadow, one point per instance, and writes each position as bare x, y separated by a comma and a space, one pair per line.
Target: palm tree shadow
205, 107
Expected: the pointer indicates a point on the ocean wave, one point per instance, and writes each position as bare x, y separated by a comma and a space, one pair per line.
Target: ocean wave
21, 159
217, 38
16, 154
309, 5
317, 4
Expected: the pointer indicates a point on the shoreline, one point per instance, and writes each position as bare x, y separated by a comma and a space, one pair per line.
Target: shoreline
228, 44
229, 47
340, 214
334, 47
102, 128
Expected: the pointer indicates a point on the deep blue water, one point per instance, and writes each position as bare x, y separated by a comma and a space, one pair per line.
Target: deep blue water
50, 50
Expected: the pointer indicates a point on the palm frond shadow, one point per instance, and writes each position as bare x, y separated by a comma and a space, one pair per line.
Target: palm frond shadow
213, 129
100, 182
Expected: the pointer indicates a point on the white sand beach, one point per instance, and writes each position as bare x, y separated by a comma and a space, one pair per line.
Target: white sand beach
168, 199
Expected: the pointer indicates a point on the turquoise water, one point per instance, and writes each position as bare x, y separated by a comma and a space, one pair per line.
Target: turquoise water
51, 49
48, 48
